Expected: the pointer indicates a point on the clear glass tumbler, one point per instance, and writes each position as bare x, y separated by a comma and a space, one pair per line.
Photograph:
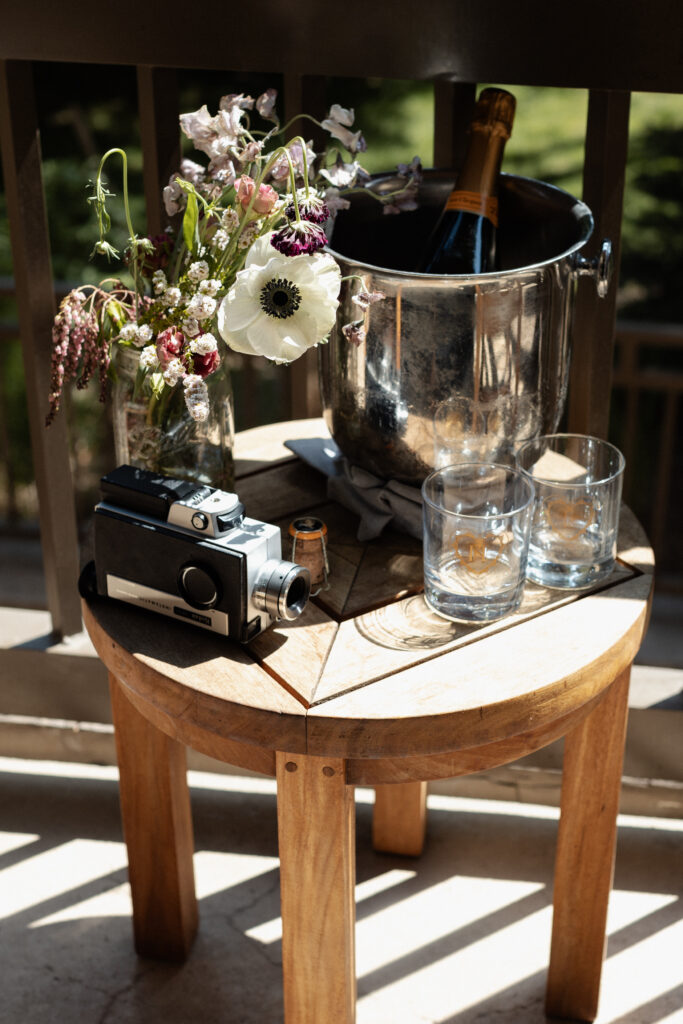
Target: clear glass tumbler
482, 430
578, 482
477, 517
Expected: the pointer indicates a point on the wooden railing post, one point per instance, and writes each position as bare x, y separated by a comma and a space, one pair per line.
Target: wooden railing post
160, 134
20, 142
453, 106
304, 94
594, 320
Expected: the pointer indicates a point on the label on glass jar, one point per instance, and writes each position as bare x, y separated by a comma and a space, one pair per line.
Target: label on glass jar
474, 202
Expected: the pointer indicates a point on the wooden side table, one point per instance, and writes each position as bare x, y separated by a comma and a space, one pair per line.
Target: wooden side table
369, 687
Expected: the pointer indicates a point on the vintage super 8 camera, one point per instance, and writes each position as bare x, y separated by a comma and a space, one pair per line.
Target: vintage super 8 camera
188, 551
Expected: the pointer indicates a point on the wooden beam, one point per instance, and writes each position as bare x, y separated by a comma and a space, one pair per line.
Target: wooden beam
21, 157
632, 46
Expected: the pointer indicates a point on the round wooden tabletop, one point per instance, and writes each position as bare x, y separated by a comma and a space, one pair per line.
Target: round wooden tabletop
368, 673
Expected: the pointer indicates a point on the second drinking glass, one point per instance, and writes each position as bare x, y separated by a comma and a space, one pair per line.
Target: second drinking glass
578, 494
477, 518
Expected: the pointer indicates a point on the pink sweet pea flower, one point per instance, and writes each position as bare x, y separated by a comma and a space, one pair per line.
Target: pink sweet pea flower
265, 199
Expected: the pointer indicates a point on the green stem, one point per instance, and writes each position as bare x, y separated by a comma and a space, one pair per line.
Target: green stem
299, 117
102, 210
281, 150
302, 143
124, 159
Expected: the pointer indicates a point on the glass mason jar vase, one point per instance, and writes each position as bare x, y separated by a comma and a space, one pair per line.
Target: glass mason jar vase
160, 435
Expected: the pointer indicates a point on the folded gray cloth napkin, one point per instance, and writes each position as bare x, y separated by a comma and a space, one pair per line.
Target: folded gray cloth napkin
377, 502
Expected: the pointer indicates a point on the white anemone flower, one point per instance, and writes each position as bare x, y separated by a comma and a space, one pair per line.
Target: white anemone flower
280, 306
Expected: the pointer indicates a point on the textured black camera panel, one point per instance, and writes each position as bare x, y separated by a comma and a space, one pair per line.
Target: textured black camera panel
153, 556
140, 490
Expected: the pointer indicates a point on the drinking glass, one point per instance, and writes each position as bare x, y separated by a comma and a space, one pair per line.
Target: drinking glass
578, 482
477, 517
468, 429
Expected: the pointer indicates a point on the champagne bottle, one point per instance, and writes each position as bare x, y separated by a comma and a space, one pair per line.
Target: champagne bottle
464, 239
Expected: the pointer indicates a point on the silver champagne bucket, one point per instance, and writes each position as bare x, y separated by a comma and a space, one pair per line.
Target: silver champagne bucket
499, 342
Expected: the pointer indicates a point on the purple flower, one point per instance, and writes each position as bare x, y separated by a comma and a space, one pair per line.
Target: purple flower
353, 141
312, 208
406, 199
412, 170
265, 104
279, 170
236, 101
299, 237
338, 122
250, 152
343, 175
354, 333
335, 201
366, 299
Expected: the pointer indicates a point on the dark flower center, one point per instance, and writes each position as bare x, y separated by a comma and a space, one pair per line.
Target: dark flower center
280, 298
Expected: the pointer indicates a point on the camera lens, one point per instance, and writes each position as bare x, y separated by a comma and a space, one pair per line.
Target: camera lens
198, 586
282, 589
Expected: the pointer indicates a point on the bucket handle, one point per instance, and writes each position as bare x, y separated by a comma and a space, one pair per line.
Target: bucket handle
599, 267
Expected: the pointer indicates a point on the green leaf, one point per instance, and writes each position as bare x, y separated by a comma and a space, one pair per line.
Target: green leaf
191, 224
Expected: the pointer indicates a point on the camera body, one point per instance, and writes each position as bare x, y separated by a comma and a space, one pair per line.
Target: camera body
189, 552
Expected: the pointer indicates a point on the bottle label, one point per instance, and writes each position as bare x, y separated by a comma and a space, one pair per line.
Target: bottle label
474, 202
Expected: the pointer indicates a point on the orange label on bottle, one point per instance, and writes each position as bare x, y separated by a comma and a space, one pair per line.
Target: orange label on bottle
474, 202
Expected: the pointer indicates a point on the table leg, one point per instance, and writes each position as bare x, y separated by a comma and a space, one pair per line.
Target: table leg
584, 865
157, 826
399, 818
316, 829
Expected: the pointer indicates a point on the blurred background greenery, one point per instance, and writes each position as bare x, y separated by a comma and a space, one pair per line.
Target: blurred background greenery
86, 109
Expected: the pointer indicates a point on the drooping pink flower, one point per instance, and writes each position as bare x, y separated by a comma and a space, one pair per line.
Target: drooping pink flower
169, 345
265, 198
78, 350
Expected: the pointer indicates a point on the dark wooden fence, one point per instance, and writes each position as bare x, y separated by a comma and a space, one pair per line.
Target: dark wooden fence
608, 48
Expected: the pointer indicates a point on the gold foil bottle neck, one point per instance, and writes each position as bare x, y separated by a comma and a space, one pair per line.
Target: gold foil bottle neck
494, 112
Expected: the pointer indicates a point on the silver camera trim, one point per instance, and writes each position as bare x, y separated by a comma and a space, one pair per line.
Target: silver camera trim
202, 515
272, 591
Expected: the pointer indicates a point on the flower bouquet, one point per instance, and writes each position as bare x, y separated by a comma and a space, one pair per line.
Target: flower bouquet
240, 265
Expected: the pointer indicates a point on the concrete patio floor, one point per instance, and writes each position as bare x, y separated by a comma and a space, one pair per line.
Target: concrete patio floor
458, 935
